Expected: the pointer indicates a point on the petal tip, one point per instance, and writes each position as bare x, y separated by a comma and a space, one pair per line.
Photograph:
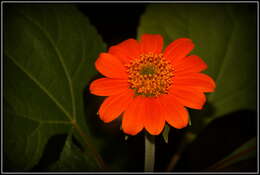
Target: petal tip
178, 49
130, 132
151, 43
105, 119
154, 131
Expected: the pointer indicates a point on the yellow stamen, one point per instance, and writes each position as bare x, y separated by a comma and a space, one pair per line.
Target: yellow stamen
150, 75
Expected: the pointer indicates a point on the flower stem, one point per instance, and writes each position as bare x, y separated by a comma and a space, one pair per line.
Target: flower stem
149, 152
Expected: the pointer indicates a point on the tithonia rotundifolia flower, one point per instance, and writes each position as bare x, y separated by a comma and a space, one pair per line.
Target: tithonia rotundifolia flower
149, 86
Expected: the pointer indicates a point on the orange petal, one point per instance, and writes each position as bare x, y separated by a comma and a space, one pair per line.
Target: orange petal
154, 118
151, 43
133, 118
110, 66
175, 114
189, 64
188, 97
108, 87
114, 105
126, 50
199, 81
178, 49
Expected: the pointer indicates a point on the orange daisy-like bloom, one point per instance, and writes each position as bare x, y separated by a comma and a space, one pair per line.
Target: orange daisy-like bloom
148, 86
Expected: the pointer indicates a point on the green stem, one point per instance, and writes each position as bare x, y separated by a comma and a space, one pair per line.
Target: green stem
149, 153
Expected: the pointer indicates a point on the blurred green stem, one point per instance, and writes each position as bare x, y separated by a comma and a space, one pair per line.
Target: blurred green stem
149, 152
186, 140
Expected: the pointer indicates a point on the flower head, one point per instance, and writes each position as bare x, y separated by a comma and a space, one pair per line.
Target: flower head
150, 87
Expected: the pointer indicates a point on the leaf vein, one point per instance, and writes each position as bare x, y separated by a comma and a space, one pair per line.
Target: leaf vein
59, 57
42, 121
223, 63
39, 85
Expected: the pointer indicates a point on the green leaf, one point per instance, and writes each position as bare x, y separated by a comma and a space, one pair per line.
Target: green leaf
166, 133
225, 38
73, 159
49, 58
244, 152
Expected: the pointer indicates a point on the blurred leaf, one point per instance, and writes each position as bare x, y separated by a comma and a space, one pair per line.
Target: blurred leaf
126, 137
244, 152
225, 38
48, 55
218, 139
247, 165
187, 138
166, 133
73, 159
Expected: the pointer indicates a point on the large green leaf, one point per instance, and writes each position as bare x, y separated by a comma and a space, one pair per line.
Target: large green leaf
225, 38
72, 159
49, 53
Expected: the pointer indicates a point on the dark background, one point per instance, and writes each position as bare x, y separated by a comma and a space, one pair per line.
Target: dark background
114, 22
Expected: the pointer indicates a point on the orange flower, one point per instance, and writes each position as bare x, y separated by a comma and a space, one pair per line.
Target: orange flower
148, 86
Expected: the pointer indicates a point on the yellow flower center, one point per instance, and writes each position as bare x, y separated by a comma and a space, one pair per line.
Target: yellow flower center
150, 75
